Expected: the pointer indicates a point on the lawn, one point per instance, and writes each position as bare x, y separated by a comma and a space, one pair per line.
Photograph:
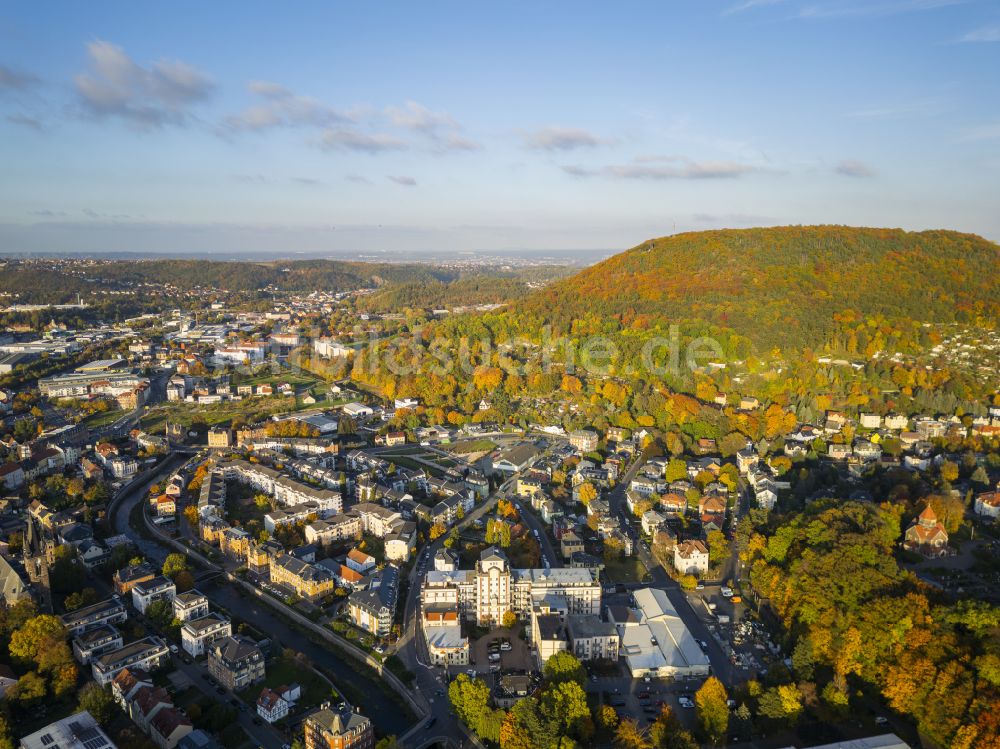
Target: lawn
102, 419
625, 570
472, 446
282, 672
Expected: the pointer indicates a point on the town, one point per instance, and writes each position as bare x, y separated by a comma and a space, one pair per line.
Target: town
217, 531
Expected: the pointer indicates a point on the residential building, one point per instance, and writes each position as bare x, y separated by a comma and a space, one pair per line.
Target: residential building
111, 611
988, 504
591, 638
147, 654
331, 729
373, 609
168, 727
127, 577
236, 662
306, 580
691, 558
96, 641
548, 634
157, 589
274, 704
190, 605
197, 635
583, 440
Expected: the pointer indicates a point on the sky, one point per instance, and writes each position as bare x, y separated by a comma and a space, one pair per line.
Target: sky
277, 129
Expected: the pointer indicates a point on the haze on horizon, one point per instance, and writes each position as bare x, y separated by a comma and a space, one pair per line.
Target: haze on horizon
458, 126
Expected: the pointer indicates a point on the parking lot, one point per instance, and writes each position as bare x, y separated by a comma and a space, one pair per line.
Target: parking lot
643, 701
517, 659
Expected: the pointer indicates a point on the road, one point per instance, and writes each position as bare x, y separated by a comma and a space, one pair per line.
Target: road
383, 708
695, 619
432, 681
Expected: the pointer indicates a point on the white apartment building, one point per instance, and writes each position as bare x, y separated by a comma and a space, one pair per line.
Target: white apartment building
146, 592
197, 635
492, 589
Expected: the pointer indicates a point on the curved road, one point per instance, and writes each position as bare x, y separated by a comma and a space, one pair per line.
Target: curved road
382, 708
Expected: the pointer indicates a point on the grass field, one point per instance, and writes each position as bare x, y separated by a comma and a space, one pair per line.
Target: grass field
97, 420
625, 570
282, 672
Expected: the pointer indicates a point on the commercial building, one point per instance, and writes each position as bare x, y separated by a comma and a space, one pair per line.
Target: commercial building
654, 640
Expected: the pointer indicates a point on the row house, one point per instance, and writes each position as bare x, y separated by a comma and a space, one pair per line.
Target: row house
148, 654
111, 611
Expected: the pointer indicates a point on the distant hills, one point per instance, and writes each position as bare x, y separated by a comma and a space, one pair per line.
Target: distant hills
783, 286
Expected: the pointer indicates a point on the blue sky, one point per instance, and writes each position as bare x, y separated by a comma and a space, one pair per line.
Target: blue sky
471, 126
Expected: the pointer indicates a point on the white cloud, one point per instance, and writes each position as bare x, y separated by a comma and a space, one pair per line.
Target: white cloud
115, 86
556, 138
355, 140
283, 108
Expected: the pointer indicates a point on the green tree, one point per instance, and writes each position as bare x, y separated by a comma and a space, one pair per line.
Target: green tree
80, 598
27, 641
564, 666
97, 700
782, 703
718, 546
713, 712
174, 564
28, 690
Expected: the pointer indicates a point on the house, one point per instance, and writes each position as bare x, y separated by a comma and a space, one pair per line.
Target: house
360, 561
896, 422
168, 727
127, 577
198, 634
274, 704
691, 558
7, 678
148, 591
236, 662
988, 504
12, 476
926, 535
335, 729
651, 521
838, 451
871, 421
570, 543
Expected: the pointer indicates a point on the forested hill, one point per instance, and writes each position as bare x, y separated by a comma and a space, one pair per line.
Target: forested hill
783, 286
